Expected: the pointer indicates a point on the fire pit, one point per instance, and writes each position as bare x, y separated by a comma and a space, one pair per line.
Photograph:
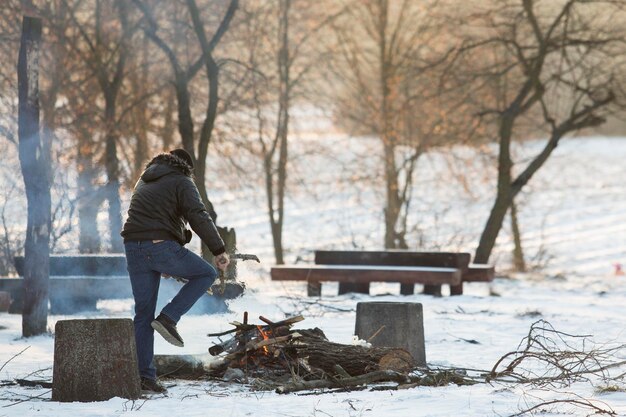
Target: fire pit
274, 355
275, 349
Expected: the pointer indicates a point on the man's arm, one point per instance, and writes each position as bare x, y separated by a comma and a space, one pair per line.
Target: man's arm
192, 208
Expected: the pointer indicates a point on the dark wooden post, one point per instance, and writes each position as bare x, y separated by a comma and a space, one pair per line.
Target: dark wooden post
95, 360
35, 164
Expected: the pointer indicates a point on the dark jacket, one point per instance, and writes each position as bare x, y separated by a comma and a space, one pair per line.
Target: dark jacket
164, 199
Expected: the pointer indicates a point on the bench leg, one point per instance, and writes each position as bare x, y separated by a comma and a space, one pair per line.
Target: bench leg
314, 289
407, 289
432, 290
456, 289
361, 288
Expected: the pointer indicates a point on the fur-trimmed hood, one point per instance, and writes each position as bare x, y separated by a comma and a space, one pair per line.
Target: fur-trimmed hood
164, 164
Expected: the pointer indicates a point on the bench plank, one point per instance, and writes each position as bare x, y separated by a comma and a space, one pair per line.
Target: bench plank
81, 264
395, 257
366, 273
398, 257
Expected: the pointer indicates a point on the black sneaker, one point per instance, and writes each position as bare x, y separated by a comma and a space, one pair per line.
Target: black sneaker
167, 328
152, 386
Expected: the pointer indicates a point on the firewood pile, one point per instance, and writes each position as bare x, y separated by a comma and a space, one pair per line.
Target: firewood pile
274, 347
273, 355
299, 359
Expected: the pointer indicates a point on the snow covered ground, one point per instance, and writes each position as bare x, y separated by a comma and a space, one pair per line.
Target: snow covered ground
590, 305
575, 216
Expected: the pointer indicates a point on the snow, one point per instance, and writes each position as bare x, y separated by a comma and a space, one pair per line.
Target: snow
574, 217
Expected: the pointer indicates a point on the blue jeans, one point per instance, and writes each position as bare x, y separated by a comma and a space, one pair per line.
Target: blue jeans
146, 261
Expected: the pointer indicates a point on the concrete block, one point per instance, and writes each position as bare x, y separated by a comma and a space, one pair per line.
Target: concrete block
398, 325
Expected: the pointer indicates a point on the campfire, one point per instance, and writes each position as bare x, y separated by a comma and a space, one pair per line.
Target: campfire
275, 351
274, 355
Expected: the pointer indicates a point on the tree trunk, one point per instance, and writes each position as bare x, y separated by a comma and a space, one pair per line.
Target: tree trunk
392, 209
168, 131
504, 195
35, 163
203, 145
393, 206
518, 251
277, 214
88, 206
185, 122
112, 169
491, 230
140, 83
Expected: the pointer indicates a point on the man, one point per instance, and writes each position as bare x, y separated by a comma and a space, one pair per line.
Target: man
164, 200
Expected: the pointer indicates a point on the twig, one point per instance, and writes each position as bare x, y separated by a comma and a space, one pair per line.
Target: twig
14, 356
376, 333
30, 383
582, 403
27, 399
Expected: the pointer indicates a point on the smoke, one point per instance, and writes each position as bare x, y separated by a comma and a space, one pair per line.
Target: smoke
78, 282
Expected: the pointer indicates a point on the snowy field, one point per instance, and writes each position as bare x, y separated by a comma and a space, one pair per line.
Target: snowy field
573, 223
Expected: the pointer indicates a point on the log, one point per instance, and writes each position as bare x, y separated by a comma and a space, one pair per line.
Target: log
191, 367
355, 360
95, 360
376, 376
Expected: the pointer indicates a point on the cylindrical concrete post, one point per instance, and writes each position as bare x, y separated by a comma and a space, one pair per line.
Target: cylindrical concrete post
95, 360
392, 324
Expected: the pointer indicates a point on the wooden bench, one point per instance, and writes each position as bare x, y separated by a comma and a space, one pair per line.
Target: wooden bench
359, 274
77, 282
432, 269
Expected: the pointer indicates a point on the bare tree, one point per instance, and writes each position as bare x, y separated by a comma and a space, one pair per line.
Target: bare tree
387, 52
538, 67
183, 74
35, 163
281, 58
104, 47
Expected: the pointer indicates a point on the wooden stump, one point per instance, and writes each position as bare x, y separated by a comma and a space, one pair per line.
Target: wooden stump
390, 324
95, 360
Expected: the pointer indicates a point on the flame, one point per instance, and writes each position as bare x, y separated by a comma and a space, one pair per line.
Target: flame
266, 336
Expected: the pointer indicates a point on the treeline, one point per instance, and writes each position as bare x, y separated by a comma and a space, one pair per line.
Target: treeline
124, 79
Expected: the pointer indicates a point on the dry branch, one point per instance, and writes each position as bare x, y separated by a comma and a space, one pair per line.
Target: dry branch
13, 357
580, 403
547, 356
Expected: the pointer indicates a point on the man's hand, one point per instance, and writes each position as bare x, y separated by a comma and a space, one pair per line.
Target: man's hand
222, 261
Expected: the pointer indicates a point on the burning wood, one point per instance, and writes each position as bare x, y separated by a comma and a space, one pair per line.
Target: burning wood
272, 355
273, 349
